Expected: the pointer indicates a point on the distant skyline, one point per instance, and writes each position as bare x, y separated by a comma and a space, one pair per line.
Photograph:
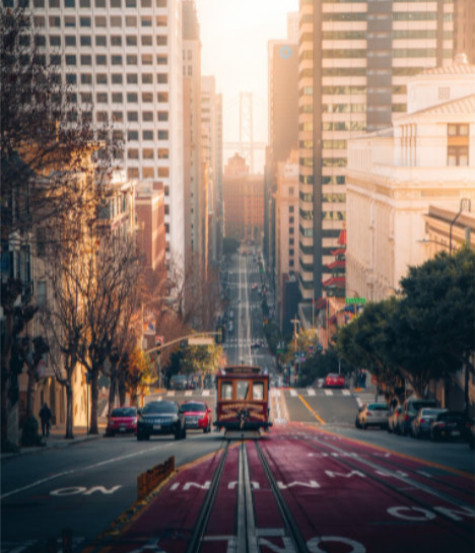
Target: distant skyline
234, 37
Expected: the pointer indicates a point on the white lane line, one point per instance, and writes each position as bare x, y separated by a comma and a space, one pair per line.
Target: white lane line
188, 393
328, 392
346, 392
293, 393
205, 392
90, 467
311, 392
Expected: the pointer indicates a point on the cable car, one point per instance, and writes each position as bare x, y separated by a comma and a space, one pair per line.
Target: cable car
242, 398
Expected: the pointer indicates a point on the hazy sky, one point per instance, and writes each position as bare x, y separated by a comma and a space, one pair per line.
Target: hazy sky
234, 36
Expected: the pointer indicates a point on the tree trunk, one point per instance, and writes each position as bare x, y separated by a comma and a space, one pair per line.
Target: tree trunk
122, 387
112, 389
69, 410
94, 429
30, 394
133, 396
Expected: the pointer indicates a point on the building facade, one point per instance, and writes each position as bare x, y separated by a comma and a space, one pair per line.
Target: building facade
125, 59
355, 59
426, 159
195, 195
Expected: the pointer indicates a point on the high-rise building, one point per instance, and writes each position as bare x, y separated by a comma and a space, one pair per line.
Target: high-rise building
355, 58
195, 192
212, 146
124, 57
282, 56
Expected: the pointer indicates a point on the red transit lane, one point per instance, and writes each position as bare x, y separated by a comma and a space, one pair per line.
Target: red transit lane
342, 495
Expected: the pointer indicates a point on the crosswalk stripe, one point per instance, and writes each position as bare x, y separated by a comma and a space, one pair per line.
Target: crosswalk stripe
328, 392
205, 392
346, 392
188, 393
311, 392
293, 393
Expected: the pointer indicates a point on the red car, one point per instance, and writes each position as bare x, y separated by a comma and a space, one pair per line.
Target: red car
334, 380
122, 420
197, 415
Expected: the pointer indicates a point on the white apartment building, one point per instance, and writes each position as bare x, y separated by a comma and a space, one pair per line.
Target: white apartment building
397, 176
124, 57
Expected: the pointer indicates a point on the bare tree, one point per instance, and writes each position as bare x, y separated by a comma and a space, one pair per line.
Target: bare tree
111, 285
42, 132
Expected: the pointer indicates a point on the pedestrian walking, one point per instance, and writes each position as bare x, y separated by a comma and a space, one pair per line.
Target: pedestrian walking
45, 416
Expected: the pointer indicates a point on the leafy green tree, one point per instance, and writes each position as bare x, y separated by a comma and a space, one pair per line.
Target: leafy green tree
437, 326
201, 359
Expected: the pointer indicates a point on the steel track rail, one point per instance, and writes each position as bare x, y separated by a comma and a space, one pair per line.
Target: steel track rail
291, 526
194, 545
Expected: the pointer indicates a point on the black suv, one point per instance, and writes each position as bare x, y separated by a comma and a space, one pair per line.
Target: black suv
161, 417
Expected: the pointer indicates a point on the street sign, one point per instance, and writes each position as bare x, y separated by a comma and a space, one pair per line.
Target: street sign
201, 341
355, 300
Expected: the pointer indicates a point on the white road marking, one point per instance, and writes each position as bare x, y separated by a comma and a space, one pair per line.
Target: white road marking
311, 392
328, 392
161, 447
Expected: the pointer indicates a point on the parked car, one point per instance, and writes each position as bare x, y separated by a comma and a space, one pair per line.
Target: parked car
372, 414
256, 344
393, 419
334, 380
197, 415
178, 382
161, 417
410, 409
422, 421
450, 425
122, 420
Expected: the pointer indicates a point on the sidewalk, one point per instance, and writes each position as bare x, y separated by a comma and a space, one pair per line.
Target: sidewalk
56, 439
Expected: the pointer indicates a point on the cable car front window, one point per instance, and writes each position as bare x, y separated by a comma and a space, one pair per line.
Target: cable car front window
242, 389
227, 390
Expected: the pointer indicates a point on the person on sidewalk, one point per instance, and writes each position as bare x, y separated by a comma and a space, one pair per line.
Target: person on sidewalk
45, 416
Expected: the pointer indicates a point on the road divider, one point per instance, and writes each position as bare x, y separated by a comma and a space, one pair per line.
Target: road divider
149, 480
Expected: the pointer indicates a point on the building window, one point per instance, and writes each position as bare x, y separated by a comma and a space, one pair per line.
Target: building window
101, 78
147, 153
132, 153
116, 78
162, 135
163, 115
117, 97
85, 40
162, 78
117, 117
147, 97
147, 40
147, 116
101, 40
147, 78
132, 97
133, 173
457, 156
101, 97
132, 78
132, 135
147, 135
131, 40
86, 78
69, 21
132, 116
164, 172
116, 40
148, 172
